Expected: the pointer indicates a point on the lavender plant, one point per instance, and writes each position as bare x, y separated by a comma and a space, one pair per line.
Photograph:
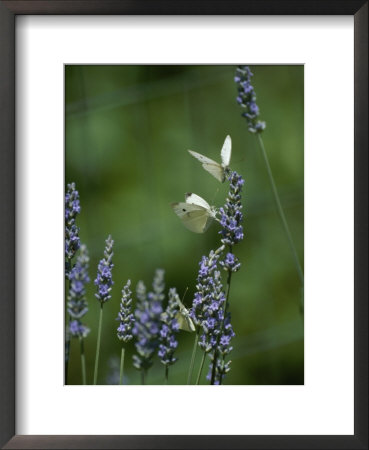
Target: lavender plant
213, 316
169, 328
77, 305
219, 367
210, 305
72, 244
72, 240
147, 325
247, 99
231, 234
104, 283
126, 321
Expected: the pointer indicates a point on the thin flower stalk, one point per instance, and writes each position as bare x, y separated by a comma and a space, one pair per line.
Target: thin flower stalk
247, 100
126, 321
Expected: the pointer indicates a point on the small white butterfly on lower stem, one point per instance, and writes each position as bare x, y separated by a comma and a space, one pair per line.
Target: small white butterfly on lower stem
217, 170
183, 318
195, 213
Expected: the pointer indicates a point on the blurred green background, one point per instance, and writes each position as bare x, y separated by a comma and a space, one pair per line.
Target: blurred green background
127, 131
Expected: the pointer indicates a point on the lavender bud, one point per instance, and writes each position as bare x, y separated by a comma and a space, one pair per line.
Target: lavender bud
146, 328
169, 329
77, 305
230, 263
72, 241
223, 349
213, 315
246, 98
205, 286
104, 279
231, 213
125, 315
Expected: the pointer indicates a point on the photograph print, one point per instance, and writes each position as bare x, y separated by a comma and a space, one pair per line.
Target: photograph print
184, 224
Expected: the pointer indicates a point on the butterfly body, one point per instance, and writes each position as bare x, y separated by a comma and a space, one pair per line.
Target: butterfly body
218, 171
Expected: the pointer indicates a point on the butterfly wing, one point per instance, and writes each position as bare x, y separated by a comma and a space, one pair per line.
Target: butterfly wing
226, 151
194, 199
190, 326
194, 217
183, 323
209, 165
183, 317
199, 201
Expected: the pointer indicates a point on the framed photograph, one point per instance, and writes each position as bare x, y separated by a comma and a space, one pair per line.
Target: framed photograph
184, 224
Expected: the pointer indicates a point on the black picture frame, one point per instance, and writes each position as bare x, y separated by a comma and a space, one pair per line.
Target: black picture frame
8, 12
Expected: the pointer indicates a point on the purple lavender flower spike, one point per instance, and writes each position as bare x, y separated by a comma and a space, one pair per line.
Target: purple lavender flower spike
125, 316
213, 315
146, 328
72, 241
208, 311
223, 349
104, 279
77, 305
247, 99
204, 294
231, 214
169, 329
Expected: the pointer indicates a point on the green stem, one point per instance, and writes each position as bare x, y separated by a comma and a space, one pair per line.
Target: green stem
166, 374
83, 360
192, 362
143, 375
98, 344
281, 212
121, 366
201, 366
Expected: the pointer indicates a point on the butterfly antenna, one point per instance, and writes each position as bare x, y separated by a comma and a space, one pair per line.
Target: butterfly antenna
184, 295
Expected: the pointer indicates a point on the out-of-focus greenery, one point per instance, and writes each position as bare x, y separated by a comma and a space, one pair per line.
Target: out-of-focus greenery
128, 129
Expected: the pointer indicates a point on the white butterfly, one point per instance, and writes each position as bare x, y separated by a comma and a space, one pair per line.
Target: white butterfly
183, 318
196, 214
217, 170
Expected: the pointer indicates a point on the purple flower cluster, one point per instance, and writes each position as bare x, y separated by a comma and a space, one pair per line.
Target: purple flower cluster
208, 311
169, 329
72, 241
231, 214
230, 263
223, 349
104, 279
125, 316
247, 99
77, 305
205, 295
147, 324
213, 315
